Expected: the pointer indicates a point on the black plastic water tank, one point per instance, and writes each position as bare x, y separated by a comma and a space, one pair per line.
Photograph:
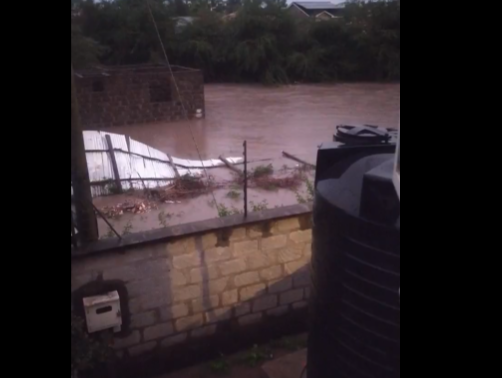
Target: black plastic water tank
355, 325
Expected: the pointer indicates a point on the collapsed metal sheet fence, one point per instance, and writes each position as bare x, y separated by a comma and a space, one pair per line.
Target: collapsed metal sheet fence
117, 163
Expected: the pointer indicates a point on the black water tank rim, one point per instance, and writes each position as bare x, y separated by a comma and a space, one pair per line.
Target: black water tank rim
364, 134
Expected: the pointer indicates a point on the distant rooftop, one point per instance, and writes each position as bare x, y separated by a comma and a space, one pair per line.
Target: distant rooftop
186, 18
99, 70
318, 5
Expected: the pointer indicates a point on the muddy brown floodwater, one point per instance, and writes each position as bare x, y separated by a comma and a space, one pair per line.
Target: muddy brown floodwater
295, 119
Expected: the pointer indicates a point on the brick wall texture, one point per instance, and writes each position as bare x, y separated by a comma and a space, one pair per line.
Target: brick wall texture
182, 289
138, 96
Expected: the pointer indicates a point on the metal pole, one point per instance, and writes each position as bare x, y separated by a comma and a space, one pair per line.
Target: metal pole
106, 221
85, 217
118, 184
245, 179
73, 238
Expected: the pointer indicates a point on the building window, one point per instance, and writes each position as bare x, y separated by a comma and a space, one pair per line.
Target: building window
160, 93
98, 86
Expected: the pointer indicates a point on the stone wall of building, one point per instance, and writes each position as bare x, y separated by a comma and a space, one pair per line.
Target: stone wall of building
127, 96
188, 287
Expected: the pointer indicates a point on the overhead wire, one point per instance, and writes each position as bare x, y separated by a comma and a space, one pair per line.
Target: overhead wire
185, 113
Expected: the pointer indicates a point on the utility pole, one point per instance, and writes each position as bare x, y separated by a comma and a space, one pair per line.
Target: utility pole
86, 218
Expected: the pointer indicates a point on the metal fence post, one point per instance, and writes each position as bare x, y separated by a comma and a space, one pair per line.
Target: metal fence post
245, 179
85, 217
111, 151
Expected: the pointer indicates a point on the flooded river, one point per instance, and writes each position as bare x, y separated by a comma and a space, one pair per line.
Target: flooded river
295, 119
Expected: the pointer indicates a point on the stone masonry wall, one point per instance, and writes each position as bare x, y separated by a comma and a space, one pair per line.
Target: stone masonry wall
138, 96
185, 288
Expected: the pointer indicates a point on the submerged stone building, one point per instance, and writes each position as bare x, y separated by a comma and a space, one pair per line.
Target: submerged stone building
125, 95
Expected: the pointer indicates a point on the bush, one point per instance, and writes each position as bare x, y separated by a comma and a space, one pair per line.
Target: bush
257, 44
86, 351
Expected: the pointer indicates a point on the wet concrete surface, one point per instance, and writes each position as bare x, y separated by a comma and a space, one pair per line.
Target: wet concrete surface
295, 119
205, 372
290, 366
282, 364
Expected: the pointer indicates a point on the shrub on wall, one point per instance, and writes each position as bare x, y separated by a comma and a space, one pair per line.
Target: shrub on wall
86, 351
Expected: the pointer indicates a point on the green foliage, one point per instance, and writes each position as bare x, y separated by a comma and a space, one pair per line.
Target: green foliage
291, 344
260, 206
262, 170
127, 228
219, 366
86, 352
224, 211
256, 44
233, 194
308, 195
84, 51
257, 354
164, 218
109, 234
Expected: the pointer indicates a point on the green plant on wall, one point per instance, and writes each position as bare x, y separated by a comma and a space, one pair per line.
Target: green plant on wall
220, 366
309, 194
257, 355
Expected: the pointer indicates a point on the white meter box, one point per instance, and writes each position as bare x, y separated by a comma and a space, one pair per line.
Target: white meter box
103, 312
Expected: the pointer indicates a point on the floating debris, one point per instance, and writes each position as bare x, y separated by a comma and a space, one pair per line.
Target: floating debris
188, 187
138, 207
264, 177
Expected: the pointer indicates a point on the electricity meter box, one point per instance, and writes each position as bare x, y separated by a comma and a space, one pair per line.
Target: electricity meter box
103, 312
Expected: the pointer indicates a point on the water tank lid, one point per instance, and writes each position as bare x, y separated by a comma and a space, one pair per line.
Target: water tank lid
365, 134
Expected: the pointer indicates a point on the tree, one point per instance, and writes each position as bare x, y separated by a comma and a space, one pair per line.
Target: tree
260, 43
85, 51
233, 5
180, 8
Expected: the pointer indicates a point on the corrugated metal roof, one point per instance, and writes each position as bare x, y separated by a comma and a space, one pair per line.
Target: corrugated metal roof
138, 164
318, 5
187, 19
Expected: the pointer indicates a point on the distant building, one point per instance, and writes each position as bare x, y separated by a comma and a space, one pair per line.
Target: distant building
127, 95
230, 16
182, 22
320, 10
